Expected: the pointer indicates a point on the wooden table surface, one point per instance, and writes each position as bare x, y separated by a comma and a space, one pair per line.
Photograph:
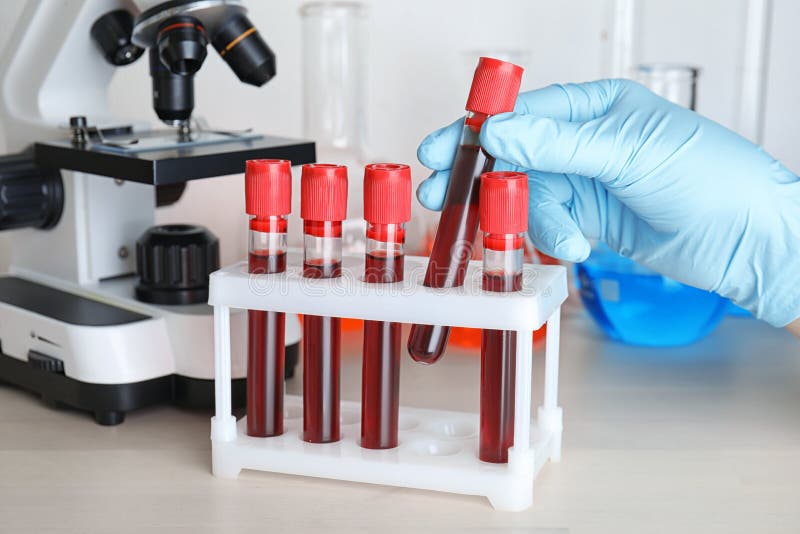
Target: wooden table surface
699, 439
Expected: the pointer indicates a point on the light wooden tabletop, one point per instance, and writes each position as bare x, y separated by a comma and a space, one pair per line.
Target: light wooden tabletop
699, 439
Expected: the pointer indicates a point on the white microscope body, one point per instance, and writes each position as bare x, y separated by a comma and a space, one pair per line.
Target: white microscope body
106, 352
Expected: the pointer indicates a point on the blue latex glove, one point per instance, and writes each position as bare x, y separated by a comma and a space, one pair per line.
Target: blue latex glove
660, 184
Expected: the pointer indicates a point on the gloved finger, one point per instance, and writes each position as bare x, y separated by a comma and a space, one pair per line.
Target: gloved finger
438, 149
500, 165
551, 145
594, 212
570, 102
551, 227
431, 191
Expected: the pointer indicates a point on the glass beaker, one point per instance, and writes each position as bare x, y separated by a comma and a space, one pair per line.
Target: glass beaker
676, 83
333, 99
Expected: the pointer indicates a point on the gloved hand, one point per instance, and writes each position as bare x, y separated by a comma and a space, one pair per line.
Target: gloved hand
660, 184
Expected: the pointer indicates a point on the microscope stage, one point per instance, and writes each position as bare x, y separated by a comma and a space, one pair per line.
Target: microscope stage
156, 161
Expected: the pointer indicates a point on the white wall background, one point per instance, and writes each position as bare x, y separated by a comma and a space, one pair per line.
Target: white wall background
417, 75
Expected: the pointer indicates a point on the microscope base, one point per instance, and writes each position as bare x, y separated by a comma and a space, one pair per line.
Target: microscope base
88, 349
109, 403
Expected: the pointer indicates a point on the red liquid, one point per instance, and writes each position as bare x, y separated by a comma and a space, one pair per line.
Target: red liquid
501, 282
320, 270
498, 363
321, 364
380, 378
266, 355
262, 262
452, 246
383, 269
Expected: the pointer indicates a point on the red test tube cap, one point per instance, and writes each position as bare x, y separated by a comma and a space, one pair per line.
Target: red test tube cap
504, 202
495, 87
268, 187
323, 192
387, 193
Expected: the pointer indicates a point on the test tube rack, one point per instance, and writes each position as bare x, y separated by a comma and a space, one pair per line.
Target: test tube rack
438, 449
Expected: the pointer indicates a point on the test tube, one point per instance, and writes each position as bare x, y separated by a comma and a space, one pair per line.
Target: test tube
387, 207
323, 207
268, 200
494, 90
504, 221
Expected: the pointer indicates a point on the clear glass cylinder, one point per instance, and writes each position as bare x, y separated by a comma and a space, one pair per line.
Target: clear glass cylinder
333, 97
333, 75
676, 83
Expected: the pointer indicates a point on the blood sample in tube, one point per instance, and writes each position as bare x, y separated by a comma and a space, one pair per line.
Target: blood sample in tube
323, 207
494, 90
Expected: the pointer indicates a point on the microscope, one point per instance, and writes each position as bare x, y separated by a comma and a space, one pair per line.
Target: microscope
101, 310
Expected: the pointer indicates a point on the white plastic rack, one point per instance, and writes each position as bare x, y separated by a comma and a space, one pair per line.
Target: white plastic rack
438, 449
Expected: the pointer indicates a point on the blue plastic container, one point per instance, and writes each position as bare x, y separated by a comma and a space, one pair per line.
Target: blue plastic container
635, 305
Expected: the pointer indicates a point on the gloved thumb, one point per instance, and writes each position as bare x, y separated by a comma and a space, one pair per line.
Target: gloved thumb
550, 145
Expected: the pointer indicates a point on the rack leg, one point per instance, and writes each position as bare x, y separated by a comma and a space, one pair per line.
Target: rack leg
549, 414
223, 424
520, 456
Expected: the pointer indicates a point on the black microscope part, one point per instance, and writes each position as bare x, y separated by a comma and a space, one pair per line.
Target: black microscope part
240, 45
78, 121
180, 30
31, 196
173, 262
78, 125
173, 94
112, 35
170, 165
167, 195
181, 43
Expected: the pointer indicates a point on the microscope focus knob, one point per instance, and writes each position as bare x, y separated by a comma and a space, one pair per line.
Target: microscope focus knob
173, 262
30, 196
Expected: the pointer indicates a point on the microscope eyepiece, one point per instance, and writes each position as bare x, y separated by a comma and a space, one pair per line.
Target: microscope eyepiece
240, 45
181, 43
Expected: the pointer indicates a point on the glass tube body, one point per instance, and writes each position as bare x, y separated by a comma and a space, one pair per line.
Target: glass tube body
380, 376
455, 237
266, 349
322, 258
334, 97
502, 272
333, 75
676, 83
